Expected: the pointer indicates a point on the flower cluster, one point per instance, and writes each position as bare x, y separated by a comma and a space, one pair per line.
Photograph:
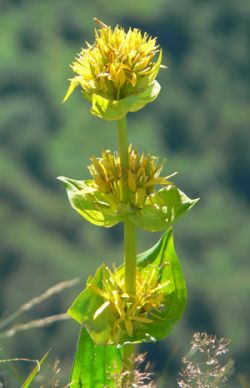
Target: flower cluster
116, 66
100, 200
142, 176
130, 310
112, 315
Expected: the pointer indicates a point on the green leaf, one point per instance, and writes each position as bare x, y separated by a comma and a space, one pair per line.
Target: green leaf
34, 372
117, 109
95, 365
86, 304
162, 209
90, 203
162, 261
163, 257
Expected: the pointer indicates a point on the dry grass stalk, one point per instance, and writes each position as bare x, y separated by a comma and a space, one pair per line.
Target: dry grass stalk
203, 365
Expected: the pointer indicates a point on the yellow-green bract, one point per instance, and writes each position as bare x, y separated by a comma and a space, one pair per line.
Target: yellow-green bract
160, 210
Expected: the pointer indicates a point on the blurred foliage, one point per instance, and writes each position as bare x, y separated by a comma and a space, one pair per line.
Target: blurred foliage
200, 123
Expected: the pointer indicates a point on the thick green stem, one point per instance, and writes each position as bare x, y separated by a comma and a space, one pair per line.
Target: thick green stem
129, 240
129, 227
130, 257
123, 141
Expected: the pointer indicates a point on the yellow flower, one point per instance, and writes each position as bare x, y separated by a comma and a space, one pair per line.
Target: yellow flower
111, 315
142, 176
101, 200
117, 66
129, 311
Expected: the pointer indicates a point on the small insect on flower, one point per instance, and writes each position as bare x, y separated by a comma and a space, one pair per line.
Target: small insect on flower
116, 66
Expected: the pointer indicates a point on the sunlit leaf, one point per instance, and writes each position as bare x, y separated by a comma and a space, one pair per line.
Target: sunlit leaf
95, 365
162, 209
117, 109
91, 204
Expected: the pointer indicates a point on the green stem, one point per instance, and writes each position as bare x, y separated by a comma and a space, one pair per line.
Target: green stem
129, 240
130, 257
123, 141
129, 227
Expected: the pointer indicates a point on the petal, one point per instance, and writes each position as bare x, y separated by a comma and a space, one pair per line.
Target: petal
129, 327
142, 319
73, 84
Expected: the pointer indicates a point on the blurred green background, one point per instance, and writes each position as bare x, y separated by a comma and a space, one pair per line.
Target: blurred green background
199, 123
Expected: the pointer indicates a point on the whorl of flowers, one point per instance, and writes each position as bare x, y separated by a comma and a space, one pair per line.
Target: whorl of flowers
142, 175
102, 200
130, 310
117, 65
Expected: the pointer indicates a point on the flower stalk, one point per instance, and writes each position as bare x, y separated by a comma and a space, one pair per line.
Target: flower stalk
129, 238
130, 257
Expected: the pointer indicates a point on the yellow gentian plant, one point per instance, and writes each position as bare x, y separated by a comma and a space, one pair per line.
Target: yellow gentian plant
142, 299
